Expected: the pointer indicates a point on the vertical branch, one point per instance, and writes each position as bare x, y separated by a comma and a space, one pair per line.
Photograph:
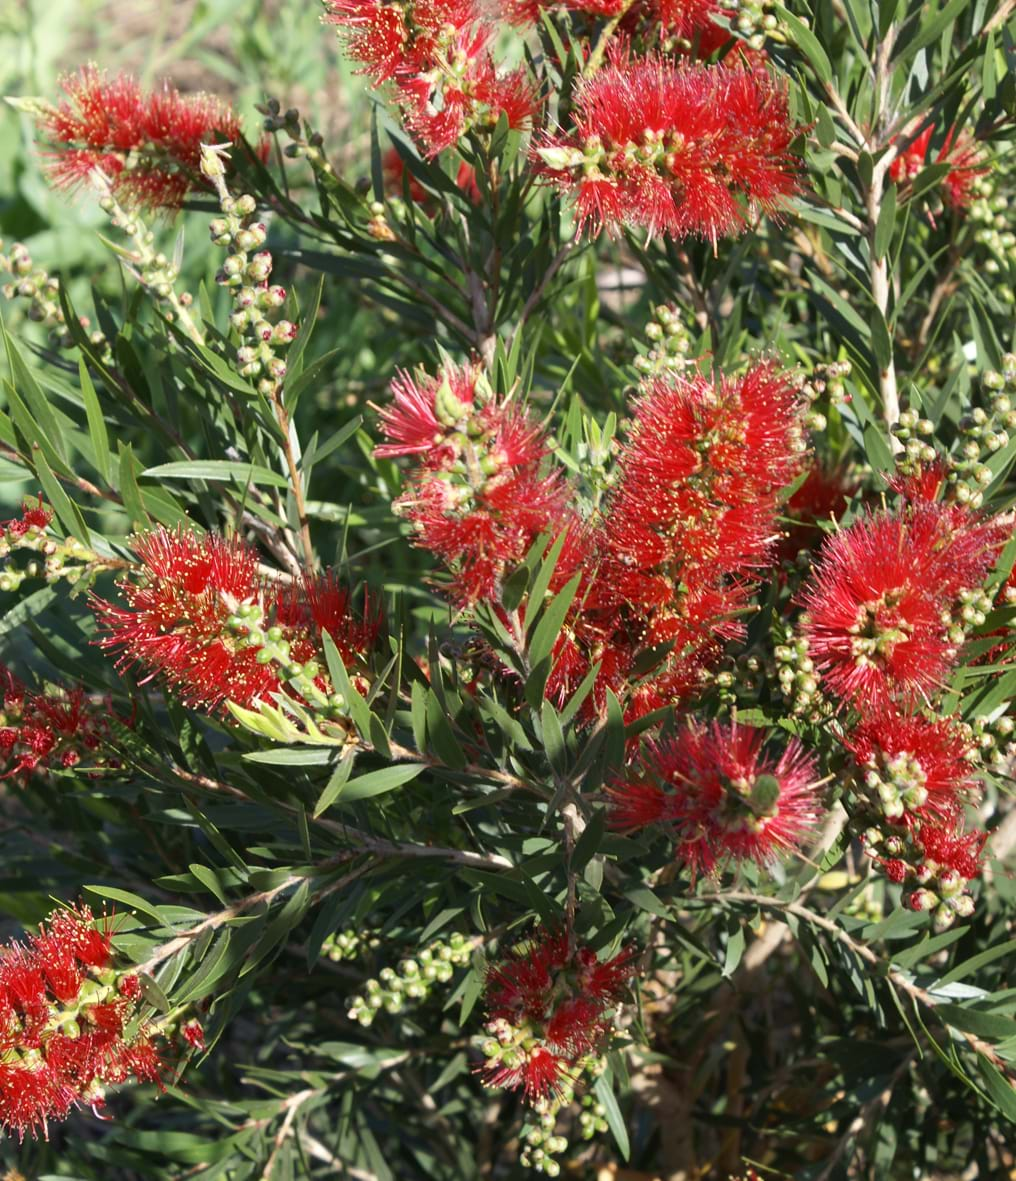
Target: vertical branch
609, 29
873, 197
295, 477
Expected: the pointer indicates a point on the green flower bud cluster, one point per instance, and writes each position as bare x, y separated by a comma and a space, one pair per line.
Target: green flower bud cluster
304, 144
541, 1143
347, 945
798, 682
152, 269
245, 272
984, 431
68, 560
969, 612
413, 980
248, 624
592, 1117
669, 343
940, 889
989, 210
992, 742
895, 786
755, 20
825, 382
42, 291
913, 432
948, 901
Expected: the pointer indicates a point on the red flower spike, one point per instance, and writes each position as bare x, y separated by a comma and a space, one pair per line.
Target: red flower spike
479, 497
915, 768
548, 1009
62, 1045
723, 798
437, 52
675, 149
878, 603
59, 727
687, 530
180, 614
148, 145
960, 150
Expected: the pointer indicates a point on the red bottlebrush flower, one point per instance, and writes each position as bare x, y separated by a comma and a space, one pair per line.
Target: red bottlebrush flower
193, 1033
960, 150
548, 1008
148, 145
676, 149
878, 603
437, 52
690, 525
177, 620
913, 767
960, 853
35, 518
62, 1045
58, 727
723, 796
462, 90
392, 40
479, 497
181, 620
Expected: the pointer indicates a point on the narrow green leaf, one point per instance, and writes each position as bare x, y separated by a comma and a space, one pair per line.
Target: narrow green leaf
217, 469
377, 783
604, 1091
334, 785
96, 423
66, 510
809, 45
209, 880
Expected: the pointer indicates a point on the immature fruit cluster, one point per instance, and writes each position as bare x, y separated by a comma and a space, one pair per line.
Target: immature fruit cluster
246, 272
412, 980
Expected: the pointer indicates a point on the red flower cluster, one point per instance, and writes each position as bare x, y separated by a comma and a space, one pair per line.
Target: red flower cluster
68, 1024
916, 776
886, 610
960, 151
34, 519
681, 19
181, 619
148, 145
722, 797
549, 1009
437, 52
480, 495
880, 603
678, 149
58, 727
688, 530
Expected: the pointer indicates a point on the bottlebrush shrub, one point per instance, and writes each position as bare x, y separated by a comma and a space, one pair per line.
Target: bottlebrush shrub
516, 675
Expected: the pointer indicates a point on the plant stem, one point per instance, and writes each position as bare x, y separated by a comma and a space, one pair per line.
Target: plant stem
878, 268
295, 478
596, 57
